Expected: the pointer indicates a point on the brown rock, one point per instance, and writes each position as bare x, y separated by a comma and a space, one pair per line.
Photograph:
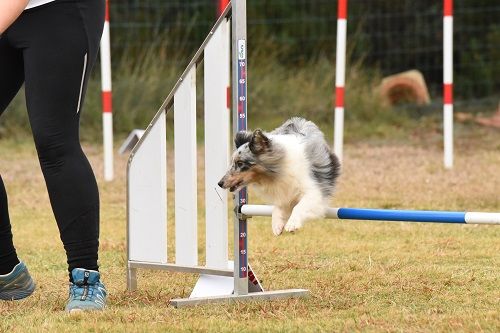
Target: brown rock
405, 87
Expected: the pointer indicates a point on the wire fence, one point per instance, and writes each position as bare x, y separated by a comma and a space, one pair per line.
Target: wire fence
389, 35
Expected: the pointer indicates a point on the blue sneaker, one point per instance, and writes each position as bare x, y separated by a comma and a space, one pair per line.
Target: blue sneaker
18, 284
86, 292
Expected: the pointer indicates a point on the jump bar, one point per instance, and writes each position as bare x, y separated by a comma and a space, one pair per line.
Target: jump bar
390, 215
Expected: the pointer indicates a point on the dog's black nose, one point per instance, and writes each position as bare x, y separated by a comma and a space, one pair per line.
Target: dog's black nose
221, 183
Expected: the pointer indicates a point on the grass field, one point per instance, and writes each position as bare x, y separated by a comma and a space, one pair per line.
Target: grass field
363, 276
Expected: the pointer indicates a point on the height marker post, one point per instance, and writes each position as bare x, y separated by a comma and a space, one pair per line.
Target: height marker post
338, 138
239, 49
107, 108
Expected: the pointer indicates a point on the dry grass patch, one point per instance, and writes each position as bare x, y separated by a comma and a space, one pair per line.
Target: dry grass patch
363, 276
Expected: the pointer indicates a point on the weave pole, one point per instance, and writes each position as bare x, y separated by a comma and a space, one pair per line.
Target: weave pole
448, 82
338, 139
221, 6
107, 109
391, 215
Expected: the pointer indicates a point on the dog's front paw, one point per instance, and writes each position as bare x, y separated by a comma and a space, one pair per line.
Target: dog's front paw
278, 228
293, 225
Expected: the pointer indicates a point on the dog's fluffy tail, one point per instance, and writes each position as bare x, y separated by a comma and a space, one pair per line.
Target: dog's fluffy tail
325, 171
299, 126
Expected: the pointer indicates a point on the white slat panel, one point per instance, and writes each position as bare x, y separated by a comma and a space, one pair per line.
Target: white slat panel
147, 195
186, 235
217, 65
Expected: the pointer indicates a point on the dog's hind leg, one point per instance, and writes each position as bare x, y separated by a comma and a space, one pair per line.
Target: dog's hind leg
311, 206
279, 217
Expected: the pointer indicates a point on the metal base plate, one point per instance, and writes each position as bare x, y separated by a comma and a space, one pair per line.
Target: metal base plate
212, 285
264, 295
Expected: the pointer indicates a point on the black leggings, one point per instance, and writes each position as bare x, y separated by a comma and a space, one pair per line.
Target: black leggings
52, 49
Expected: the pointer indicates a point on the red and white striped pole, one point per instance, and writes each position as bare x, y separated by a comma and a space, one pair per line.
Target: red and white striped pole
221, 5
107, 115
338, 138
448, 82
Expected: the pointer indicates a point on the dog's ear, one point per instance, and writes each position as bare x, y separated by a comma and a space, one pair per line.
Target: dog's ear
241, 138
259, 142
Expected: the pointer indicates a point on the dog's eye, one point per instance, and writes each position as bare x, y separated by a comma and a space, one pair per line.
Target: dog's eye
239, 164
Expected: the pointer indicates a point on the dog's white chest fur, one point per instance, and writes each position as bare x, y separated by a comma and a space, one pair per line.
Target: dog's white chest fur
295, 195
294, 179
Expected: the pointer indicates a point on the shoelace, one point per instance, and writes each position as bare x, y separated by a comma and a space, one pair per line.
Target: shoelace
92, 293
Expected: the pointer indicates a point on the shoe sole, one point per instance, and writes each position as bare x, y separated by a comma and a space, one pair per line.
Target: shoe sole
76, 312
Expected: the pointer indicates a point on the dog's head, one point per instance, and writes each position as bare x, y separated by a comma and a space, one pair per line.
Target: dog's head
248, 164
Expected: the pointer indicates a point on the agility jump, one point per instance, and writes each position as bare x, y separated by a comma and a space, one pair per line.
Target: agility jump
221, 280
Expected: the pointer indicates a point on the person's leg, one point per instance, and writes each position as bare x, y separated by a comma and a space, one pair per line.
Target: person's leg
57, 63
15, 280
11, 80
8, 256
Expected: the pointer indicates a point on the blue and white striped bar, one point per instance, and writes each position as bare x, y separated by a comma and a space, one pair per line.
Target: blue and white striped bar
391, 215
